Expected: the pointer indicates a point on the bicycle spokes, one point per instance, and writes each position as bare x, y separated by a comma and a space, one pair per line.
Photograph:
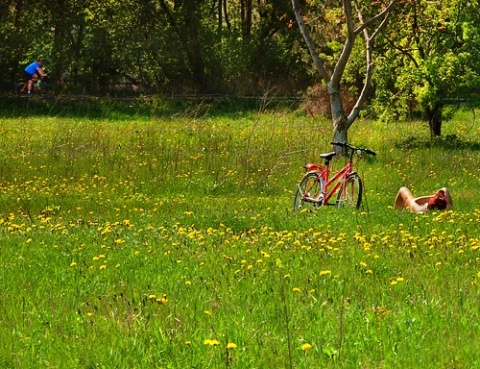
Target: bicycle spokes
309, 191
350, 193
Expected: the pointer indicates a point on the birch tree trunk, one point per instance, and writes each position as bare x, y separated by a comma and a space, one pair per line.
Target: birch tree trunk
352, 26
340, 121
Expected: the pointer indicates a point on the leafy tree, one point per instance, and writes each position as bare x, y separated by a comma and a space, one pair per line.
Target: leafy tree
324, 27
22, 37
262, 46
430, 60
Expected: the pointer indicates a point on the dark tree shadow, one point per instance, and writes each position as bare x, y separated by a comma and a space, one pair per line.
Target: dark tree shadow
448, 142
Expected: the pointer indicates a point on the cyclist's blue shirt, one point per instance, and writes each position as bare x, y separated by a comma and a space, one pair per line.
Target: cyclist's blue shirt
32, 68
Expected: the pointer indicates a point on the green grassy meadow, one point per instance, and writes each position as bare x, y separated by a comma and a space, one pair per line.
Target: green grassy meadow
132, 239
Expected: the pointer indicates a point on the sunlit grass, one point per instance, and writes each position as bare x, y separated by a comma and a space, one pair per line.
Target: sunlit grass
171, 243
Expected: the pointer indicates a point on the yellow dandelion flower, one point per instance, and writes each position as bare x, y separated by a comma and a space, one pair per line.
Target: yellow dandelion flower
369, 271
73, 264
208, 312
306, 347
231, 345
162, 300
297, 290
400, 279
210, 342
363, 264
103, 267
325, 272
188, 283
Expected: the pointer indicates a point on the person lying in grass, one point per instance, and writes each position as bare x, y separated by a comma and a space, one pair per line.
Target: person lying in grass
440, 200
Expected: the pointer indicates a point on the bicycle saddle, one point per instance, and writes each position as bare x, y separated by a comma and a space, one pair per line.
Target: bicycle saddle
328, 156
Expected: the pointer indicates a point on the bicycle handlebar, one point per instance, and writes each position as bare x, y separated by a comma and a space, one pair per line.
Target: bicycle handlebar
353, 148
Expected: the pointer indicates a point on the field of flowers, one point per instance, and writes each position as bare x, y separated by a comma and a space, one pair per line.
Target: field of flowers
140, 241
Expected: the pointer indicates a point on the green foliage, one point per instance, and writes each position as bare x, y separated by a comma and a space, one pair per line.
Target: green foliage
151, 47
430, 59
138, 236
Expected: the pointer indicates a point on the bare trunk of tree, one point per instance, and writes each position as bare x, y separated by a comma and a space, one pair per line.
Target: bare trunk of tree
342, 121
246, 15
434, 116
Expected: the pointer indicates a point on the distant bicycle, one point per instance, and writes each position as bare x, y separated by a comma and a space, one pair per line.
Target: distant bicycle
316, 188
43, 87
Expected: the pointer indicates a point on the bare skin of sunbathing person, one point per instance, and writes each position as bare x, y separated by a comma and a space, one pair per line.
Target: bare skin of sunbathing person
440, 200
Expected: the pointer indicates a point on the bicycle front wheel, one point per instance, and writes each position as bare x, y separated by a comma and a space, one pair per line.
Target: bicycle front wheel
48, 90
350, 194
309, 191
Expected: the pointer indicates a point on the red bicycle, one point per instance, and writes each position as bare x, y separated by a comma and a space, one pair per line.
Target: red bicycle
317, 188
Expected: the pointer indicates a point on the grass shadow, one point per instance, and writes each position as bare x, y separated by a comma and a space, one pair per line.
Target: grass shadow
448, 142
136, 107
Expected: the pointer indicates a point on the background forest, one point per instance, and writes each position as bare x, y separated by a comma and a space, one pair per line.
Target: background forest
154, 46
426, 57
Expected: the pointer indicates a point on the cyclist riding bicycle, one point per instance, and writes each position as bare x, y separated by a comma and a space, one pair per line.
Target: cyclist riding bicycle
31, 73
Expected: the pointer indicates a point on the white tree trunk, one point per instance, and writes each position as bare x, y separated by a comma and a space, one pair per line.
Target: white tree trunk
339, 120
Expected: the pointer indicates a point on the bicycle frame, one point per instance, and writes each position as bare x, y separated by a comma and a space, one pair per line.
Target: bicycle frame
336, 180
38, 85
35, 86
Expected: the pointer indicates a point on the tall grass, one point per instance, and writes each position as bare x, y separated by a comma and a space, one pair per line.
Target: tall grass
166, 241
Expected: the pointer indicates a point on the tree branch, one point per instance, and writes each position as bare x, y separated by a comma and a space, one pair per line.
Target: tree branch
385, 13
310, 44
347, 47
354, 113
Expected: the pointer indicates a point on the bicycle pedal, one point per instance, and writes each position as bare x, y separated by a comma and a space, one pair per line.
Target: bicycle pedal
311, 199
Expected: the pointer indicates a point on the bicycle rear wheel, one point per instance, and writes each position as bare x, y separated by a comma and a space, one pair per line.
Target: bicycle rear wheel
309, 191
350, 194
19, 88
